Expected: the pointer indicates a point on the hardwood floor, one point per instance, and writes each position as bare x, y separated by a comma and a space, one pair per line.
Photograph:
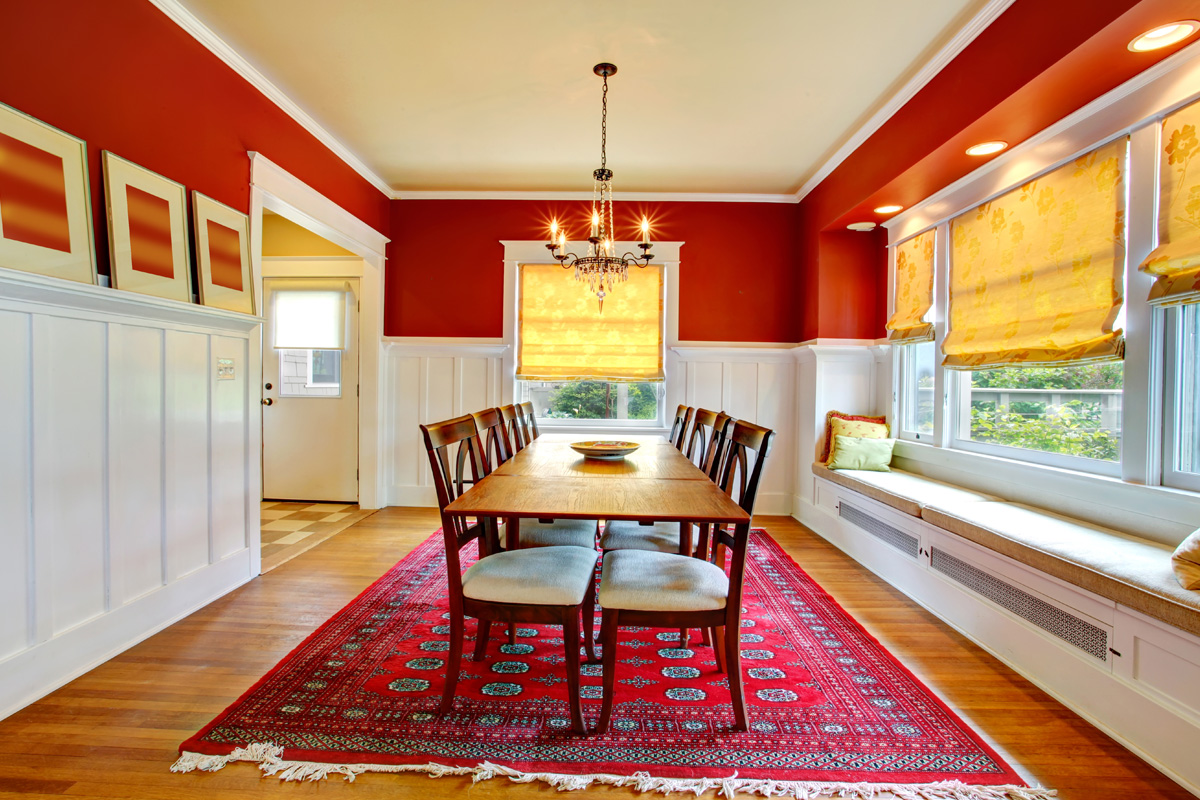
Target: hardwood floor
114, 732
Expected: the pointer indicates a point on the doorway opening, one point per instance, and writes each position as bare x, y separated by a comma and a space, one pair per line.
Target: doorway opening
310, 390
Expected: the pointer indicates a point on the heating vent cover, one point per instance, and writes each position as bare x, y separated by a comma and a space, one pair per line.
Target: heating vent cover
904, 542
1064, 625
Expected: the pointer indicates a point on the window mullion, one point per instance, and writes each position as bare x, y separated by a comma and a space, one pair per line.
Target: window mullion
943, 386
1142, 405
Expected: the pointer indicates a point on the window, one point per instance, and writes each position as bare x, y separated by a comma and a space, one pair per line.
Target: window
1067, 411
594, 400
576, 361
1182, 447
310, 373
918, 363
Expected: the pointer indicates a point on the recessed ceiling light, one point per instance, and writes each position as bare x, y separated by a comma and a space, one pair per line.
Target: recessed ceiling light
888, 209
861, 226
986, 148
1164, 35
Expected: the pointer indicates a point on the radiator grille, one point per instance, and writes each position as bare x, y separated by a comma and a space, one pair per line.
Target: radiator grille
1064, 625
904, 542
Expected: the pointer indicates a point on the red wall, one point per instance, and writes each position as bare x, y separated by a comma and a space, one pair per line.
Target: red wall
123, 77
445, 270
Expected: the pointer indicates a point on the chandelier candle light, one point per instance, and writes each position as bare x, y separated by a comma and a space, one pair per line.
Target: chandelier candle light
600, 268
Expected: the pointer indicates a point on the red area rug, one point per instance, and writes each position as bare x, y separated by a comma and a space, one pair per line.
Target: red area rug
831, 711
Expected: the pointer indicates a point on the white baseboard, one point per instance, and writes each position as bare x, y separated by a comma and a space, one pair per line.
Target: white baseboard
39, 670
1141, 723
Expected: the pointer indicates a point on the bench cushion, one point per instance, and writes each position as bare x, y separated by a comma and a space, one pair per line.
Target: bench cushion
903, 491
1133, 572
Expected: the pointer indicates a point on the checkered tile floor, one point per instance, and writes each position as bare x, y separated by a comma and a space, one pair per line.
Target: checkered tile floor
288, 529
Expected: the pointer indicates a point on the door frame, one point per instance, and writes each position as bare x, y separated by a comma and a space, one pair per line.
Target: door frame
275, 189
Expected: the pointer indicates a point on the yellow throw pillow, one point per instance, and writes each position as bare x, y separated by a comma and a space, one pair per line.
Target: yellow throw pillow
861, 453
1186, 562
853, 429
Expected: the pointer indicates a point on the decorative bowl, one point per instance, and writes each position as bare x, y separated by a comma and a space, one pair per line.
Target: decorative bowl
604, 451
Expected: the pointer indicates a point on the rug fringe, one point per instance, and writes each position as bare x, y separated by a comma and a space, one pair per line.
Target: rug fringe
270, 760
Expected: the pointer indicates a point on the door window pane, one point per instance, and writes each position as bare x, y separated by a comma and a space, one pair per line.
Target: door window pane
1074, 411
310, 373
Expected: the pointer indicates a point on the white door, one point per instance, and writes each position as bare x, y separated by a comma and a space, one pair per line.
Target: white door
310, 398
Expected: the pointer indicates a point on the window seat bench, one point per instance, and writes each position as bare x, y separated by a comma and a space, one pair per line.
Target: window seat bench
1128, 570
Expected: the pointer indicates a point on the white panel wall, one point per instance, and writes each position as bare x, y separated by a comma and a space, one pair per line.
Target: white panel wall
423, 384
114, 524
754, 384
428, 383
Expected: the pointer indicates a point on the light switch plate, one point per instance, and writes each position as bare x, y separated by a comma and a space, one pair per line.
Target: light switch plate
225, 369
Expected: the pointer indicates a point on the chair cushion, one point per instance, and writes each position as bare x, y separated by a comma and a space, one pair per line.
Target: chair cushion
543, 576
648, 581
559, 533
624, 534
1131, 571
903, 491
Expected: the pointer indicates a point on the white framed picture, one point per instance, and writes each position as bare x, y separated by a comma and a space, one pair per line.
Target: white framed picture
147, 231
45, 200
222, 255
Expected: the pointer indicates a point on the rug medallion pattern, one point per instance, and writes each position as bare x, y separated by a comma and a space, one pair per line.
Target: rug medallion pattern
826, 701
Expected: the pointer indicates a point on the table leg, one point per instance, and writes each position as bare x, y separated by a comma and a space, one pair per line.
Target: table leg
513, 535
685, 538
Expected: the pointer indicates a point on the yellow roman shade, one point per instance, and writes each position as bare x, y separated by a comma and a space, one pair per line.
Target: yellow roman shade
564, 335
914, 291
1175, 263
1037, 275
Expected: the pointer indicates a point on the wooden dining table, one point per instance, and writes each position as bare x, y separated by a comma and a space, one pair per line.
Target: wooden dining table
549, 480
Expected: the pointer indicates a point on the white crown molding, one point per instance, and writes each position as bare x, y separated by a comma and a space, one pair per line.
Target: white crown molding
218, 47
1141, 100
645, 197
986, 16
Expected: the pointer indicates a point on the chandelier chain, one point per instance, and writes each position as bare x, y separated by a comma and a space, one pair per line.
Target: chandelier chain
604, 125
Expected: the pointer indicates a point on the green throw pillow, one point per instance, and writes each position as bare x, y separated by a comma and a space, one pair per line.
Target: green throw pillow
869, 454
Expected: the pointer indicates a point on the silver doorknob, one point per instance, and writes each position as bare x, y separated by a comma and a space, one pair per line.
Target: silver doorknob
268, 401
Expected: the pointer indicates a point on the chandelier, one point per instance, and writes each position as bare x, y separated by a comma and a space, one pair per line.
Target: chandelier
600, 268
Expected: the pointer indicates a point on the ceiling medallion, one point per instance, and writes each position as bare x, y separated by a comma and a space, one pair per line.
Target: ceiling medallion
600, 268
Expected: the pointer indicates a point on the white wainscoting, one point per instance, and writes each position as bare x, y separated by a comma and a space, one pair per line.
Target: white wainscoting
428, 382
755, 384
125, 474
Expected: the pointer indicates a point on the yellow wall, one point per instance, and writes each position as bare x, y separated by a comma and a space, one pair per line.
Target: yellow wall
282, 237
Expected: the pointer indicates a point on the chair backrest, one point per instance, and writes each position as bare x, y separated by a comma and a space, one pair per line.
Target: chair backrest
679, 427
449, 475
514, 423
745, 454
702, 423
530, 420
496, 445
715, 450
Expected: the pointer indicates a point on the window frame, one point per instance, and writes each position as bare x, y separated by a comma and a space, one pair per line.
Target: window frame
1173, 365
667, 257
1147, 456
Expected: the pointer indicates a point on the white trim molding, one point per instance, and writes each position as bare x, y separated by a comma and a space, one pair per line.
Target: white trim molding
221, 49
986, 16
645, 197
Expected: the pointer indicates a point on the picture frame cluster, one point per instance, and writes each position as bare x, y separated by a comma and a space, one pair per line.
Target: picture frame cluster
46, 221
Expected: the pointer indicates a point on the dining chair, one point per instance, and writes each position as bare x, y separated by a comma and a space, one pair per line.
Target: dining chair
679, 427
540, 585
530, 420
664, 536
514, 424
666, 590
497, 448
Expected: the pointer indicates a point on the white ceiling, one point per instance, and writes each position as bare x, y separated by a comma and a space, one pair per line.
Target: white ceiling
711, 95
